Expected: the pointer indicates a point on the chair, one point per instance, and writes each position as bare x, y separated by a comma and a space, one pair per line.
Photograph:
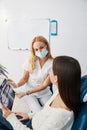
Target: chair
81, 122
51, 88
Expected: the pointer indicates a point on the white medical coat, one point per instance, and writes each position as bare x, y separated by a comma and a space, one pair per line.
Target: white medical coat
38, 76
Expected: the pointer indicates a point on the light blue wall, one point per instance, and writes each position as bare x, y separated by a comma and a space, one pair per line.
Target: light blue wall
72, 29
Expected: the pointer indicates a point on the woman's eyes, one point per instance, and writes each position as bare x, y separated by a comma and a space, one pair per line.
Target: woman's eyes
39, 48
36, 49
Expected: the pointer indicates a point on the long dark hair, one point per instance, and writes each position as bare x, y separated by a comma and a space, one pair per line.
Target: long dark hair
68, 71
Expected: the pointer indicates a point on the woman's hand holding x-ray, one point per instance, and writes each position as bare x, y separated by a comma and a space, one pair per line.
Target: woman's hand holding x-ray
21, 94
12, 83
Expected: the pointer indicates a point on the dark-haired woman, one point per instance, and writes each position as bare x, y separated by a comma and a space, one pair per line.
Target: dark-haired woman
61, 110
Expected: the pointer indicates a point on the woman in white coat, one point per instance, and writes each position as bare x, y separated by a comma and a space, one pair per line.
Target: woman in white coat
36, 78
63, 107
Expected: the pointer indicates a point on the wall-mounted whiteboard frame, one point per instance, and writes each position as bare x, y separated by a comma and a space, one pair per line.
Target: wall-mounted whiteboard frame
21, 33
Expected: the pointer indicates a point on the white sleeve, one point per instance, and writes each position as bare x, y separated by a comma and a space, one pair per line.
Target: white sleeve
25, 66
17, 125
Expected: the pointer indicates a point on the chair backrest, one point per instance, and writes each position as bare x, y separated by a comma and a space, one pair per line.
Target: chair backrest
81, 122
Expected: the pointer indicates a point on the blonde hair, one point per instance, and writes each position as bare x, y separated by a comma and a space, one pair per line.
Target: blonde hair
33, 57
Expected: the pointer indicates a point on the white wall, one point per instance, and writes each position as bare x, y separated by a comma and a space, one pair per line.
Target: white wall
72, 29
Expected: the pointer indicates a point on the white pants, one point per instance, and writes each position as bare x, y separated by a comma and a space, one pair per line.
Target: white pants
34, 103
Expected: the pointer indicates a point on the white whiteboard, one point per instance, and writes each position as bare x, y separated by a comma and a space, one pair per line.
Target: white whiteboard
20, 34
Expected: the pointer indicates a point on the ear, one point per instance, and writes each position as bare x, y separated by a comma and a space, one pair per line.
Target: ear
55, 79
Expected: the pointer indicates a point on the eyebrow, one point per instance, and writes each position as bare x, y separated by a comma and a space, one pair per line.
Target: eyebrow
39, 47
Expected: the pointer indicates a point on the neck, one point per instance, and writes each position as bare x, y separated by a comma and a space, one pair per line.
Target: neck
43, 59
58, 103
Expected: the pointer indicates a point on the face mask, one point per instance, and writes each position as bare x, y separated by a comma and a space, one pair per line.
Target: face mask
42, 54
